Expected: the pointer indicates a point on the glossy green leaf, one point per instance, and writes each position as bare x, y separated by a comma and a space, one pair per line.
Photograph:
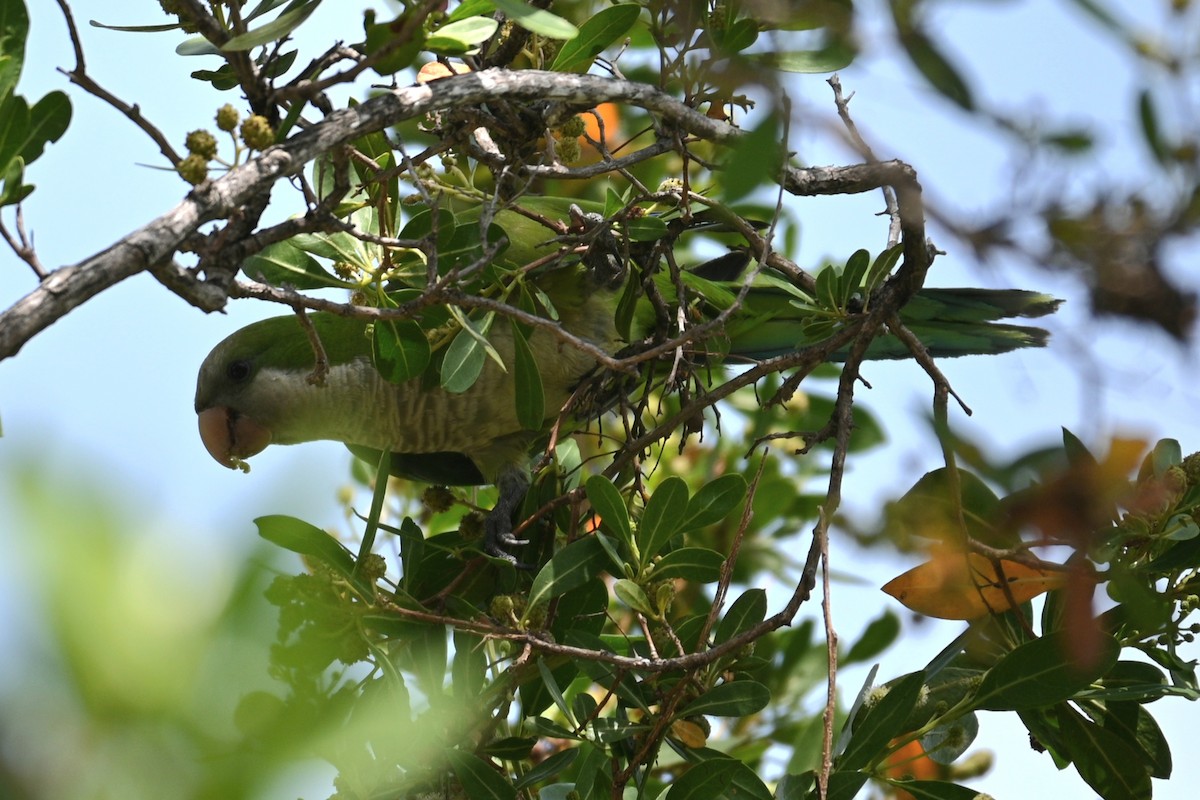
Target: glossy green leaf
544, 770
662, 516
600, 30
882, 722
734, 699
705, 780
947, 742
882, 266
14, 127
14, 31
570, 567
634, 596
306, 539
471, 8
713, 502
1105, 760
48, 121
535, 20
690, 563
285, 264
646, 229
463, 361
936, 790
479, 781
1133, 724
1041, 673
460, 37
531, 398
744, 613
610, 505
276, 29
400, 349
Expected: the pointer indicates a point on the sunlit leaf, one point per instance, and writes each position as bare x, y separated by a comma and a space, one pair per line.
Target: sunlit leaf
956, 585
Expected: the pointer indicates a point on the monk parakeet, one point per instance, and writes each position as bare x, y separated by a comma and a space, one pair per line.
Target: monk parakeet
256, 388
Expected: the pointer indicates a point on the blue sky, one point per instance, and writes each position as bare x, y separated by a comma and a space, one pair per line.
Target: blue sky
108, 389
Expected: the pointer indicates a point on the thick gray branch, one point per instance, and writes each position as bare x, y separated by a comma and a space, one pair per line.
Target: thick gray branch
153, 246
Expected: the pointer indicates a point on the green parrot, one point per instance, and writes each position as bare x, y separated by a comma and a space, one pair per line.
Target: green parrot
255, 388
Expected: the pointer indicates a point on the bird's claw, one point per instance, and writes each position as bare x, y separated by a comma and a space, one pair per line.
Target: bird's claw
498, 536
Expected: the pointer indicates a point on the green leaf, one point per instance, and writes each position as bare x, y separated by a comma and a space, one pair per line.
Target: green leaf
646, 229
285, 264
1040, 673
48, 121
535, 20
736, 37
941, 74
882, 722
830, 58
479, 781
747, 611
531, 398
936, 790
571, 567
15, 190
471, 8
460, 37
713, 502
276, 29
634, 596
464, 360
705, 780
400, 349
306, 539
753, 160
1133, 723
14, 31
662, 516
878, 636
851, 279
1151, 131
690, 563
544, 770
14, 128
734, 699
1105, 760
610, 505
598, 32
882, 266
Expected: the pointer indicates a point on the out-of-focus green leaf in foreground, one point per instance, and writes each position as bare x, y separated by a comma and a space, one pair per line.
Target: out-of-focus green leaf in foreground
130, 647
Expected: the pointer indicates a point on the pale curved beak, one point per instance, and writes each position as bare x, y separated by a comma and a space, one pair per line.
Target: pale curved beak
230, 437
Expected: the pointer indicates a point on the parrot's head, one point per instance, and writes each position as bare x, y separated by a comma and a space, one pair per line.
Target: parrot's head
254, 388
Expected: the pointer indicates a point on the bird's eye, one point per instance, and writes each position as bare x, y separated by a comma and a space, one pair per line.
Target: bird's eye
238, 371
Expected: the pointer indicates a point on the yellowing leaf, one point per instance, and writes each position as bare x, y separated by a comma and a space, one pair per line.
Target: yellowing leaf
689, 733
955, 585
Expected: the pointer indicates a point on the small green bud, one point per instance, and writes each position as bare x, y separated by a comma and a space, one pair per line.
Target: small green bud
569, 150
373, 567
437, 499
193, 169
227, 117
202, 143
257, 133
573, 128
471, 526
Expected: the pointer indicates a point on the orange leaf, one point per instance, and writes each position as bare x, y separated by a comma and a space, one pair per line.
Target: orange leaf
435, 69
954, 585
689, 733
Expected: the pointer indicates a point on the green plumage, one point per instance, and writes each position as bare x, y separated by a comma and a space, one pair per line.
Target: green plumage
259, 386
